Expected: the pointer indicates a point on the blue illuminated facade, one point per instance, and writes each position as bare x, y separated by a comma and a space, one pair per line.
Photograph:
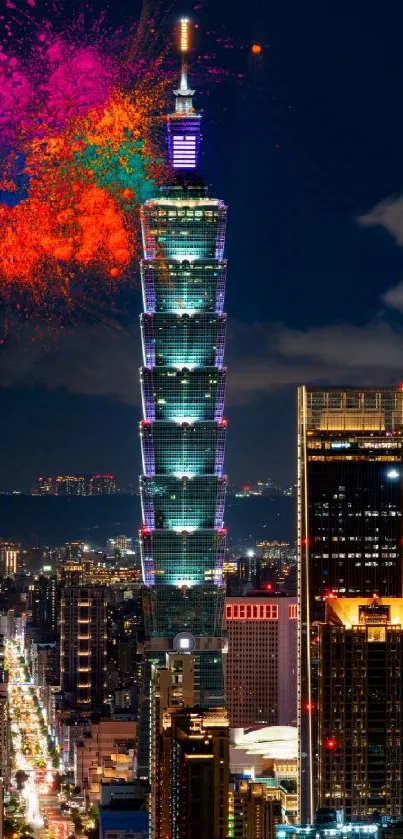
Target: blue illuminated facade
183, 429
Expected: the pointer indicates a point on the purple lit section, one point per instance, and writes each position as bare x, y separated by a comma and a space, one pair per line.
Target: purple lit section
147, 395
220, 449
220, 343
147, 283
221, 229
147, 341
219, 514
148, 449
147, 557
148, 510
221, 282
184, 141
219, 405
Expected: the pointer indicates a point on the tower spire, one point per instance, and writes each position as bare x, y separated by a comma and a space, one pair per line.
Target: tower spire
183, 94
184, 124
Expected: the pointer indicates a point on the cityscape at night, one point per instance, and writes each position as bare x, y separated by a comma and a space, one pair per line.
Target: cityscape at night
201, 483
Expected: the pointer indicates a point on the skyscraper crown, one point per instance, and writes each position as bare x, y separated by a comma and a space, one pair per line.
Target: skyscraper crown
184, 124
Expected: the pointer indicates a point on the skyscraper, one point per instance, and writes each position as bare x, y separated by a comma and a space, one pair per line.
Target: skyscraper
194, 774
349, 526
361, 706
10, 556
261, 662
83, 647
183, 430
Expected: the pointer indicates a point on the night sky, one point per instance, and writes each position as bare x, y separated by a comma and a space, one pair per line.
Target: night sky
307, 149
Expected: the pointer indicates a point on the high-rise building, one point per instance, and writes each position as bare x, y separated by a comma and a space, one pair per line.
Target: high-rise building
71, 573
99, 484
254, 810
122, 811
44, 602
183, 384
360, 700
120, 545
10, 554
194, 771
102, 485
261, 659
172, 686
83, 636
45, 658
349, 526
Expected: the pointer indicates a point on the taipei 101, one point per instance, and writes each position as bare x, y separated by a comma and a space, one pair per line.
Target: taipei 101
201, 483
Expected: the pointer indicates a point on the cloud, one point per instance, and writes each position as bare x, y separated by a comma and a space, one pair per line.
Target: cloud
394, 297
261, 357
376, 345
94, 360
387, 214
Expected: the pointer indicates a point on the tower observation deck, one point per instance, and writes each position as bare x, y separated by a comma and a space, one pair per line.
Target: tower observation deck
183, 385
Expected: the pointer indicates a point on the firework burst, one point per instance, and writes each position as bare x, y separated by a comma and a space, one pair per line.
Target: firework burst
79, 150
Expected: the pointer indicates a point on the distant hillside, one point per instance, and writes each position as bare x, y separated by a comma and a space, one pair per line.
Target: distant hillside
36, 520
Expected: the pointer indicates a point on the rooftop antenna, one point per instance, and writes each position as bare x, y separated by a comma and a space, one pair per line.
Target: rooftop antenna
184, 93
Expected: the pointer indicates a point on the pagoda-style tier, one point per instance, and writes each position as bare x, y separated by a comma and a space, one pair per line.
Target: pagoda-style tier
182, 559
183, 229
183, 340
183, 395
182, 502
179, 285
182, 448
197, 609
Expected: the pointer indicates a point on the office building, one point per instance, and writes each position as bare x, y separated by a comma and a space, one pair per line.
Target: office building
172, 686
261, 659
105, 751
83, 637
120, 546
71, 573
254, 810
99, 484
194, 774
44, 602
10, 558
61, 485
115, 576
360, 700
349, 526
74, 551
183, 385
102, 485
122, 812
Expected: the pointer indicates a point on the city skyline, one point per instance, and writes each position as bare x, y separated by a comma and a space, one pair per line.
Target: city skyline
293, 100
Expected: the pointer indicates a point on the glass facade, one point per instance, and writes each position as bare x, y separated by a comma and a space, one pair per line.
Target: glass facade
181, 448
183, 431
185, 286
350, 448
360, 707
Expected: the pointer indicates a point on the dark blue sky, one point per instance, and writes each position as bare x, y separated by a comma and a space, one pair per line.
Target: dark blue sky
304, 149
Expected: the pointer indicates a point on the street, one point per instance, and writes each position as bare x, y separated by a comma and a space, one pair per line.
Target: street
33, 753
